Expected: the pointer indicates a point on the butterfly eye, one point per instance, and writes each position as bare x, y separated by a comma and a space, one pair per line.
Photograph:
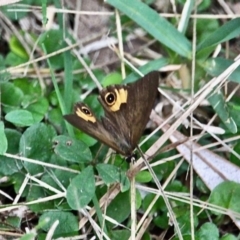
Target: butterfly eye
110, 98
86, 111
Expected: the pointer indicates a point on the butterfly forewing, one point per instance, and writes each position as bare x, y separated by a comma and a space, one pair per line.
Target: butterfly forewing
133, 116
94, 129
142, 97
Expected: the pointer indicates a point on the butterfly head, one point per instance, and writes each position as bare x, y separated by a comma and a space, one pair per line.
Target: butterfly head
131, 158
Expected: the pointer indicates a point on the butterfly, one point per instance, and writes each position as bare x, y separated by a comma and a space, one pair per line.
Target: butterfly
126, 113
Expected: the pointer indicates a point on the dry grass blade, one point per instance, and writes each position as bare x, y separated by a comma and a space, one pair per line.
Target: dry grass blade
212, 168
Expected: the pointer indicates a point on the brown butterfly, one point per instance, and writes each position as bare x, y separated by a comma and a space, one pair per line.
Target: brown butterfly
127, 109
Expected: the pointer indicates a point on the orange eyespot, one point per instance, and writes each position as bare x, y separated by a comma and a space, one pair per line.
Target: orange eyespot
110, 98
115, 98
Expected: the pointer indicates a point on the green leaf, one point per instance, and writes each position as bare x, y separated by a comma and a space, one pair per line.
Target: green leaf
206, 27
44, 12
4, 76
29, 236
176, 186
138, 199
234, 157
215, 66
36, 143
155, 25
201, 186
124, 181
3, 139
53, 41
161, 221
68, 84
112, 78
62, 229
234, 108
226, 195
22, 118
184, 219
90, 141
15, 15
72, 150
204, 5
226, 32
143, 177
33, 101
145, 69
13, 59
17, 179
82, 189
38, 109
109, 173
147, 201
229, 237
221, 108
12, 222
8, 166
208, 231
31, 88
11, 96
17, 48
120, 234
35, 192
13, 136
55, 116
119, 208
62, 177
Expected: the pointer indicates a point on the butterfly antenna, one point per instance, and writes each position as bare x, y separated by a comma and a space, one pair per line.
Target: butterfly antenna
171, 213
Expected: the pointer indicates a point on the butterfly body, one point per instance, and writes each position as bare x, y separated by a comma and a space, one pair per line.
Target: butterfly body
126, 113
